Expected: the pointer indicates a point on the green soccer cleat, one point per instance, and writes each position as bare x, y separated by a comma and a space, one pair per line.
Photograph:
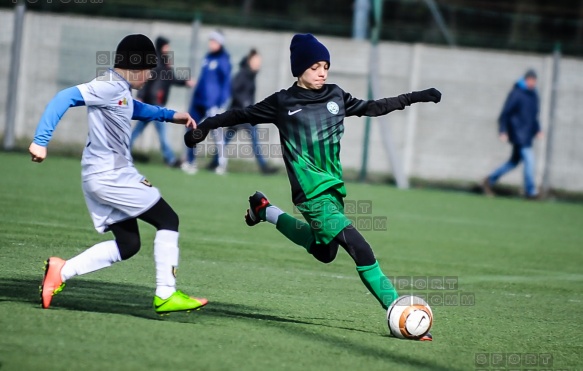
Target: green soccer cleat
178, 302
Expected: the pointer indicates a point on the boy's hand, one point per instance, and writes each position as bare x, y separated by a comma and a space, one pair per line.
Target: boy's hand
428, 95
193, 137
183, 118
38, 153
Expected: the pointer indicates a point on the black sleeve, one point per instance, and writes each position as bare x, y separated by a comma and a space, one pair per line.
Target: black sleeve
238, 91
262, 112
176, 81
373, 108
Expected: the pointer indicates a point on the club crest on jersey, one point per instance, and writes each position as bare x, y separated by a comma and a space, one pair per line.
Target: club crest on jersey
123, 102
333, 108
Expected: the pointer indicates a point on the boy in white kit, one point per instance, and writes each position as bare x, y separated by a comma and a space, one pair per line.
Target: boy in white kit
115, 193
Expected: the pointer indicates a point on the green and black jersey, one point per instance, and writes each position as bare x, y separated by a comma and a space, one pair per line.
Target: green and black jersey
311, 124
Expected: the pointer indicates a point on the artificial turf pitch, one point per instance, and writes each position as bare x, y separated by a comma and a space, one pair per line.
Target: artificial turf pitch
272, 306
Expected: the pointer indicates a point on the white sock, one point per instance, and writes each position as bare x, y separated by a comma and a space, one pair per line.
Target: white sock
272, 213
94, 258
166, 258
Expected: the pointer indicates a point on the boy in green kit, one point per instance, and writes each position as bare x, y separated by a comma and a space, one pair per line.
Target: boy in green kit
310, 118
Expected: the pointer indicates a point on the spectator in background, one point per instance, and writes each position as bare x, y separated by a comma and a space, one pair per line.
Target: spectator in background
156, 93
243, 95
212, 91
519, 125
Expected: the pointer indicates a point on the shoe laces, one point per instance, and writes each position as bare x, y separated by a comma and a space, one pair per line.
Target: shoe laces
181, 294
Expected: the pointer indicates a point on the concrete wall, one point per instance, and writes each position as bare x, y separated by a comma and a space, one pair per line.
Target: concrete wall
456, 139
6, 31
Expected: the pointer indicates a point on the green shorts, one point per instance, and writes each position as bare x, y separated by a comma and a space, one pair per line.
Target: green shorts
325, 215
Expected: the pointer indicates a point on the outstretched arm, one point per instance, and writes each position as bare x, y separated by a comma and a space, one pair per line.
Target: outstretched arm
54, 111
262, 112
148, 112
373, 108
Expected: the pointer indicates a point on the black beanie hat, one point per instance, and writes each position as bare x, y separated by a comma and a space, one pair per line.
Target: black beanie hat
135, 52
305, 50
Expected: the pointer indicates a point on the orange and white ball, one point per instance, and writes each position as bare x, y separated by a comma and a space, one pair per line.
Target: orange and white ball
409, 317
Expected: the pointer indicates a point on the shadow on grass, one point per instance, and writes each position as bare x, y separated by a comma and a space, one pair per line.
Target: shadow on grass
135, 300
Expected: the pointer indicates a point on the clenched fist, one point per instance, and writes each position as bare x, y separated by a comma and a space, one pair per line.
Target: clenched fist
38, 153
428, 95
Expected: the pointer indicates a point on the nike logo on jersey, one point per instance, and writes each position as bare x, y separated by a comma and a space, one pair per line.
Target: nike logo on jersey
291, 113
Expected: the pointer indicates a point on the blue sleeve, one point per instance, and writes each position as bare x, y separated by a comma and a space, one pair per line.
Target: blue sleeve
148, 112
226, 81
54, 111
507, 111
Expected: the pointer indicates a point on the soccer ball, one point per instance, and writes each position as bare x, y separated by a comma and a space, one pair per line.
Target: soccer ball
409, 317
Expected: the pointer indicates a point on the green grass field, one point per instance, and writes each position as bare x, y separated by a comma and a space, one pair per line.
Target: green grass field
272, 306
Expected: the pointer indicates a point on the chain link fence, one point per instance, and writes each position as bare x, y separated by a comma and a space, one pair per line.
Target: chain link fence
454, 140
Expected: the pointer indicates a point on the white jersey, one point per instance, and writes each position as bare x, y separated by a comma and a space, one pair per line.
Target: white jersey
110, 107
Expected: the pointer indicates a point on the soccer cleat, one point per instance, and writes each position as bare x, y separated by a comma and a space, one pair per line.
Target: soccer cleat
269, 170
189, 168
426, 337
256, 202
487, 187
178, 302
52, 282
221, 170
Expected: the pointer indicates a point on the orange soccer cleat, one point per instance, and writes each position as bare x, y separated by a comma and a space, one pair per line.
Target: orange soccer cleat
52, 281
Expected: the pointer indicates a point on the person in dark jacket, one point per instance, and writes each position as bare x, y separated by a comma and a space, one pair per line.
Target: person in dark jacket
213, 90
519, 125
155, 92
243, 95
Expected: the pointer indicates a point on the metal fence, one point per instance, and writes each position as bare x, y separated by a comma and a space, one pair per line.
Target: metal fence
454, 140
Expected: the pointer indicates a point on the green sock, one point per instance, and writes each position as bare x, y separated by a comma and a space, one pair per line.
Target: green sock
378, 284
295, 230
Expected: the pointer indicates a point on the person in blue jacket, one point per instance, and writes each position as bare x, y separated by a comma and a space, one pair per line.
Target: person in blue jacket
212, 91
519, 125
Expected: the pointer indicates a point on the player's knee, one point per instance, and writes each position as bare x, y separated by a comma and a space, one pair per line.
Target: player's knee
167, 219
128, 247
327, 259
170, 221
324, 253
